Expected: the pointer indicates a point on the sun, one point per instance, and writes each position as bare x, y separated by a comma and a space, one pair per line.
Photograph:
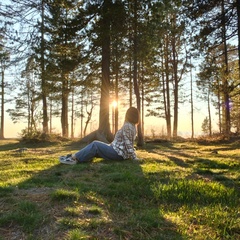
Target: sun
114, 104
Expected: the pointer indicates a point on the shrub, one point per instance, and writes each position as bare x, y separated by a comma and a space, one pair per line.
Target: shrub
36, 136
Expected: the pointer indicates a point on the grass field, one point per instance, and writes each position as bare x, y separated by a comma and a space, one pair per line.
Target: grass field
181, 190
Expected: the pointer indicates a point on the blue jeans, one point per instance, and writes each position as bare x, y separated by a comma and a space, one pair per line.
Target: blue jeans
97, 149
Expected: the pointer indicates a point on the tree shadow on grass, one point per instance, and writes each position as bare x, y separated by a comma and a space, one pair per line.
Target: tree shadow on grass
101, 200
171, 153
216, 171
204, 166
207, 179
9, 145
206, 188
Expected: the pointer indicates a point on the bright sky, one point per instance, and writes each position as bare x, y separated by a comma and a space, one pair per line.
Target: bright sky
157, 124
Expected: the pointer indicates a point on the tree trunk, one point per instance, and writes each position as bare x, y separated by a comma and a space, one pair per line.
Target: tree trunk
225, 77
175, 80
72, 117
89, 116
192, 118
238, 27
116, 113
209, 113
2, 106
130, 84
81, 117
104, 132
219, 107
51, 116
142, 110
43, 84
164, 100
64, 114
104, 124
140, 140
167, 91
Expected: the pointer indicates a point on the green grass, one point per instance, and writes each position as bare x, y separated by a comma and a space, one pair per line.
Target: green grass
178, 191
24, 214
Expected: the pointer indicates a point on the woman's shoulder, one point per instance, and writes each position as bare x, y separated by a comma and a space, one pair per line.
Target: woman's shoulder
128, 125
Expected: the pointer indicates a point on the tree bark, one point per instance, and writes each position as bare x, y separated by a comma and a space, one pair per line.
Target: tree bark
167, 90
140, 140
225, 77
89, 116
175, 80
43, 86
130, 84
192, 112
104, 124
116, 113
2, 106
64, 114
219, 107
238, 27
209, 113
72, 116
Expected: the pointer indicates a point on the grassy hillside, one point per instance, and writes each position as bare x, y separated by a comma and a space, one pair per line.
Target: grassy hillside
184, 190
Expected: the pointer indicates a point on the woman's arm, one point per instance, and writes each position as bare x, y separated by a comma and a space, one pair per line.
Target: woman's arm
129, 134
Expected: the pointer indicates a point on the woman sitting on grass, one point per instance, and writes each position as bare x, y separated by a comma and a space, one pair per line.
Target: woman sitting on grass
121, 148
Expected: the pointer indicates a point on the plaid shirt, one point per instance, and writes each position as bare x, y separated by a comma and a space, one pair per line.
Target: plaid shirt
124, 140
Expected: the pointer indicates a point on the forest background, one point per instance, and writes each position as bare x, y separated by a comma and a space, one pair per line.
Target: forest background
69, 63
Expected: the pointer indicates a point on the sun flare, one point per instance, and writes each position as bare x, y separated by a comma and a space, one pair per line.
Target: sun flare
114, 104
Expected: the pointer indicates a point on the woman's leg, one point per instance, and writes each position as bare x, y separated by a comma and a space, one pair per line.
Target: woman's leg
97, 149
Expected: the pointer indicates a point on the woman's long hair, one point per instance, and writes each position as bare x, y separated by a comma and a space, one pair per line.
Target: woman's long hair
132, 115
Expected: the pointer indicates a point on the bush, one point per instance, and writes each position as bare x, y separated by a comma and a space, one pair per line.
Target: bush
36, 136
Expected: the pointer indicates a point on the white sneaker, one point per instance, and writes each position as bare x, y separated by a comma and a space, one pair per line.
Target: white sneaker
68, 160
